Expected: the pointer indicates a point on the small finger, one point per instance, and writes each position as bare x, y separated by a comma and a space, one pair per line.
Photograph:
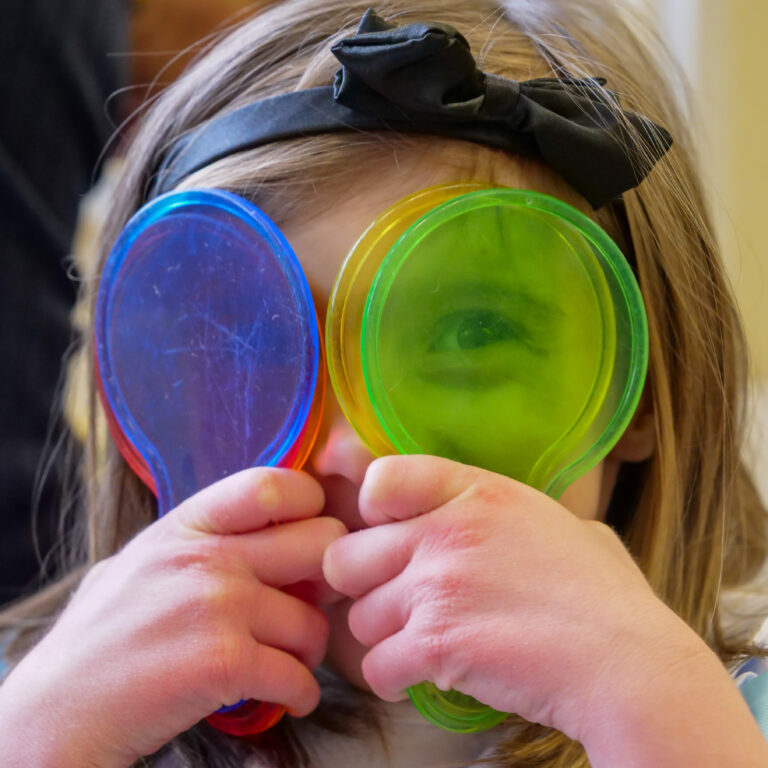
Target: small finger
402, 487
250, 500
291, 625
393, 666
276, 676
381, 613
360, 561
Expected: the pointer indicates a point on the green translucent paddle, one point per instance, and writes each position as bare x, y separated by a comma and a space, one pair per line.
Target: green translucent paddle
501, 328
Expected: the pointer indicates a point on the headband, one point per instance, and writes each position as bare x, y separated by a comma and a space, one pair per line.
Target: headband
423, 78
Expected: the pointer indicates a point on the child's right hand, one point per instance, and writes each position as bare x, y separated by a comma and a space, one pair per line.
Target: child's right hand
188, 617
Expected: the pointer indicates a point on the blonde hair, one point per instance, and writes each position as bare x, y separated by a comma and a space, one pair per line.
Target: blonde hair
690, 514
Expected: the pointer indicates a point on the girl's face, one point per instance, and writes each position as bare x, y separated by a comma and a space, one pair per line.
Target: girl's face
321, 241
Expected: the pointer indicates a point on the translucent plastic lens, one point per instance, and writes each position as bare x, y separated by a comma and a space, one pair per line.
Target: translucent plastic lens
207, 342
490, 336
344, 320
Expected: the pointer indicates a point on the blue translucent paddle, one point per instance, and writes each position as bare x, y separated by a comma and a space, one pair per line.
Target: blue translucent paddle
208, 355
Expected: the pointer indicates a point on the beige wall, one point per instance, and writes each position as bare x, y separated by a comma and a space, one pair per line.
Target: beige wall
723, 46
733, 60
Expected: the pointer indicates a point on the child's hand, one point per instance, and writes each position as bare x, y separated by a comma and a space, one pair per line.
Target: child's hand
188, 617
481, 584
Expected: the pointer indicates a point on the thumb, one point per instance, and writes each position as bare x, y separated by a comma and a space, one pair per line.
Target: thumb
251, 500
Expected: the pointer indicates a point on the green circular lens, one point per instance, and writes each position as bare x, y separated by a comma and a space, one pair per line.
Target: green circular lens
505, 330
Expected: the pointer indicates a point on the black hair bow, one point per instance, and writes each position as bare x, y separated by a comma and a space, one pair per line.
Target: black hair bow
425, 73
422, 78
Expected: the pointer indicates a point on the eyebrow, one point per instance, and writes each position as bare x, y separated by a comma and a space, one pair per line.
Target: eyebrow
508, 294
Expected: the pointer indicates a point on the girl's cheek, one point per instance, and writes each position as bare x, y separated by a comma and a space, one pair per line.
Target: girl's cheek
582, 496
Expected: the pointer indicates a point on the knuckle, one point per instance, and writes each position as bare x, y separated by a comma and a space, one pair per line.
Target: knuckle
438, 599
439, 586
489, 492
445, 652
220, 600
224, 659
213, 595
432, 650
197, 554
190, 518
203, 603
495, 500
455, 531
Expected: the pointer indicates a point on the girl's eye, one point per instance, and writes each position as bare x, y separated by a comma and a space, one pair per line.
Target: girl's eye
472, 329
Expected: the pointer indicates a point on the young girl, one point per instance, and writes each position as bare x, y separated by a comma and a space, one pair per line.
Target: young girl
608, 642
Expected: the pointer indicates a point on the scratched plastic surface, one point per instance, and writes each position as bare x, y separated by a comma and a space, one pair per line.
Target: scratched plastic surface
207, 341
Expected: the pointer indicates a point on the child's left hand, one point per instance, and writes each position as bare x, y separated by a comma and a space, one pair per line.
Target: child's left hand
481, 584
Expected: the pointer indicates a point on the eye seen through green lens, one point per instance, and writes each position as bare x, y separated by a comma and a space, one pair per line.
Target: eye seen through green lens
490, 337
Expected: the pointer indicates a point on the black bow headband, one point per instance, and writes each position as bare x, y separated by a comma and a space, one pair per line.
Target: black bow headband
422, 78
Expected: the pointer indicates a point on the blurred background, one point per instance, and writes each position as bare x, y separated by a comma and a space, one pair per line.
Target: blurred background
90, 63
722, 49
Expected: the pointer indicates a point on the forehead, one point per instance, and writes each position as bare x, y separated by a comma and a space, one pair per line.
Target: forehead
326, 228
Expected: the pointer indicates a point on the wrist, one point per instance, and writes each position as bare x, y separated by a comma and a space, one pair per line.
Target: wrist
37, 728
675, 705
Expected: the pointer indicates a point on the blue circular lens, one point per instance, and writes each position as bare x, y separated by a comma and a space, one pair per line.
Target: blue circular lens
207, 340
